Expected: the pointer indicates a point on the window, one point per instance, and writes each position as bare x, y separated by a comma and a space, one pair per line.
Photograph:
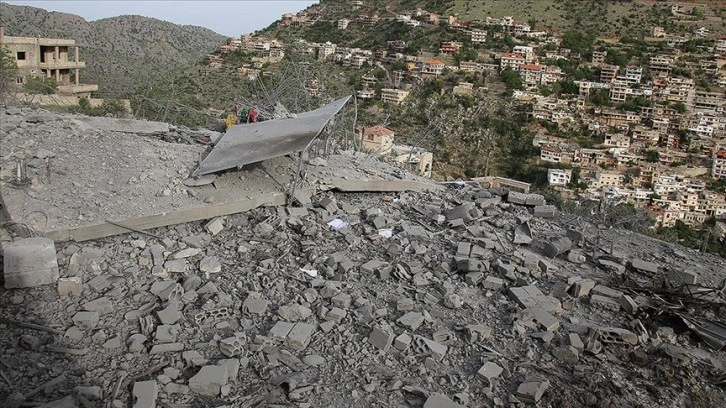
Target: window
20, 80
370, 137
21, 55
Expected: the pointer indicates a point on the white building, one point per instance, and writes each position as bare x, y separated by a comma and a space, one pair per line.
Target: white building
559, 177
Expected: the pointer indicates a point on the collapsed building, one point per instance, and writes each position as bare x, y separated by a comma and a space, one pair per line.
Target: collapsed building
139, 272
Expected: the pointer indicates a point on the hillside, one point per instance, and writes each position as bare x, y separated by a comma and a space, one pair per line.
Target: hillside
122, 53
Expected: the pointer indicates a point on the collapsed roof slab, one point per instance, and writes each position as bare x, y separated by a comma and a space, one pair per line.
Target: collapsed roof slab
255, 142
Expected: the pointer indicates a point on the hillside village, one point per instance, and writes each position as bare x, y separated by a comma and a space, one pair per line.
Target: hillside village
650, 126
291, 254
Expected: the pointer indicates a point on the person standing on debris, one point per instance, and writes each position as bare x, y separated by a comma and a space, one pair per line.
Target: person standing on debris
243, 115
252, 116
231, 120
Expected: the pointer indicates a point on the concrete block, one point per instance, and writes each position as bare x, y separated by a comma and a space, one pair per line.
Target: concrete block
70, 286
329, 205
280, 330
411, 320
546, 266
402, 342
535, 200
566, 354
478, 332
576, 256
582, 288
474, 278
209, 380
436, 400
531, 390
102, 305
166, 348
341, 300
490, 371
145, 393
611, 266
605, 302
493, 283
515, 197
381, 338
372, 266
557, 247
574, 340
233, 365
531, 296
644, 266
628, 304
471, 265
299, 337
436, 350
545, 211
85, 320
681, 277
30, 262
214, 226
603, 290
539, 316
575, 236
616, 335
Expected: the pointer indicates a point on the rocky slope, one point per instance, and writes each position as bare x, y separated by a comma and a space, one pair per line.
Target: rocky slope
121, 53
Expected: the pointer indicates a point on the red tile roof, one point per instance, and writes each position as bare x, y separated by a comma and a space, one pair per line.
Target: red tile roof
378, 130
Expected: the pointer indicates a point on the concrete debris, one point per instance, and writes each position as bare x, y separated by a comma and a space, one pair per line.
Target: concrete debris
436, 400
532, 390
557, 247
30, 262
145, 394
445, 295
209, 380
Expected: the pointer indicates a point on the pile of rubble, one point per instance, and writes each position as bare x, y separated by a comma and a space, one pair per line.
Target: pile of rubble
465, 297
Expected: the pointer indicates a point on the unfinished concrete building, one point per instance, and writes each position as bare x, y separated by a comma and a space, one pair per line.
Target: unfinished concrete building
51, 58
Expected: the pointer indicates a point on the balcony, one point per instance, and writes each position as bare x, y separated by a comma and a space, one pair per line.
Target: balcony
77, 89
62, 65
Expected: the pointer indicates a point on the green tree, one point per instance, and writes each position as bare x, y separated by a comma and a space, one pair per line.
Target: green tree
8, 70
512, 80
41, 85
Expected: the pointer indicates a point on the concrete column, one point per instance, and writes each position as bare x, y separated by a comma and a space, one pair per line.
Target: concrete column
57, 76
76, 64
56, 56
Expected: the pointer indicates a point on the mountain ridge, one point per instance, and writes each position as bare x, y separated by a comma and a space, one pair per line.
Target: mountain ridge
123, 53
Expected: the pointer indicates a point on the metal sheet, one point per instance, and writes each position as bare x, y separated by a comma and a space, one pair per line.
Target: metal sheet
254, 142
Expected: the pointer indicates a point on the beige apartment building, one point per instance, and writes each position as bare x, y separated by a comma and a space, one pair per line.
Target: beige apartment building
51, 58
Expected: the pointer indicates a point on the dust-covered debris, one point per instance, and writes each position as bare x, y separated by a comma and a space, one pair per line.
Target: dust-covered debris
447, 298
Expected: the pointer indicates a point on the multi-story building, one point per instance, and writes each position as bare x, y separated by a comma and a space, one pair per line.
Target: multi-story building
378, 139
450, 47
608, 73
395, 96
718, 168
598, 57
325, 50
617, 140
478, 36
432, 67
511, 60
343, 23
559, 177
48, 58
661, 65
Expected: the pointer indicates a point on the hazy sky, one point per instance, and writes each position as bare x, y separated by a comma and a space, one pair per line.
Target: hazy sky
231, 18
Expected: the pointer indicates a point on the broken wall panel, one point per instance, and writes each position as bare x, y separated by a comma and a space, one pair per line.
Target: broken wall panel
255, 142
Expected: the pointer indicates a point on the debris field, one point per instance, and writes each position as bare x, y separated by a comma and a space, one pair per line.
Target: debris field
463, 296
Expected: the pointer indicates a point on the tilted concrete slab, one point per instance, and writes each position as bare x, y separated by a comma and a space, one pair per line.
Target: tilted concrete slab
255, 142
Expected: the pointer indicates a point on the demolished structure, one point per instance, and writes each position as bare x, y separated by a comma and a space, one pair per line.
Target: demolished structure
409, 294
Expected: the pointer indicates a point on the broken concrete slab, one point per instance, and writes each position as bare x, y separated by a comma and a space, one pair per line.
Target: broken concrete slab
532, 389
209, 380
299, 336
490, 371
145, 393
531, 296
680, 277
436, 400
30, 262
381, 337
557, 247
105, 124
411, 320
523, 234
644, 266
